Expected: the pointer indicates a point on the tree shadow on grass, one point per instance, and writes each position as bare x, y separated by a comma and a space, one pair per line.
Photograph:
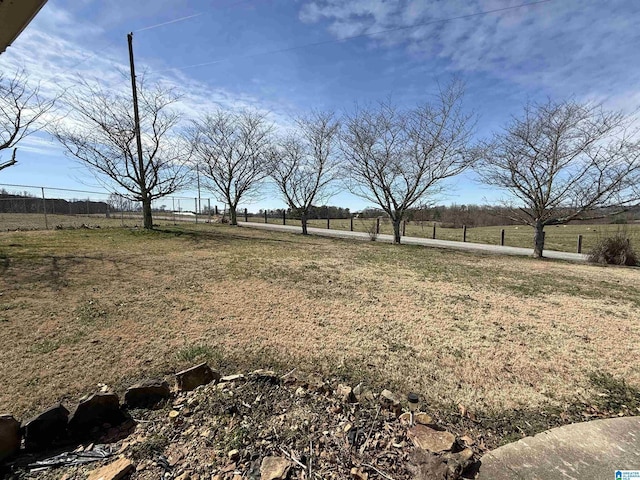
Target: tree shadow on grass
199, 236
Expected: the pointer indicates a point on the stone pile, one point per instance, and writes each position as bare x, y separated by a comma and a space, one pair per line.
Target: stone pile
258, 425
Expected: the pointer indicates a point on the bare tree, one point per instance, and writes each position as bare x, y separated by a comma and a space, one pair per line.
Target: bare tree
100, 133
397, 159
230, 148
304, 165
562, 161
22, 109
118, 203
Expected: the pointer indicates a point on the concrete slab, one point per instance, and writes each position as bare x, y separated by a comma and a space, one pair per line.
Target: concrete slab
582, 451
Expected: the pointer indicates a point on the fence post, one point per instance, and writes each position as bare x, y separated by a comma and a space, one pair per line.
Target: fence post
433, 236
173, 203
378, 226
246, 218
404, 228
464, 233
328, 223
44, 209
579, 243
502, 237
216, 209
351, 223
196, 209
284, 216
265, 216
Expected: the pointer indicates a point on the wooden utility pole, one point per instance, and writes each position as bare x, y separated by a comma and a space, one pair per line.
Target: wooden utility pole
136, 118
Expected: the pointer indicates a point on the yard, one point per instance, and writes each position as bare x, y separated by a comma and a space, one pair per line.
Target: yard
563, 238
499, 337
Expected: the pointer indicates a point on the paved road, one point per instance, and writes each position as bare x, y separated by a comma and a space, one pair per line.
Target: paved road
583, 451
427, 242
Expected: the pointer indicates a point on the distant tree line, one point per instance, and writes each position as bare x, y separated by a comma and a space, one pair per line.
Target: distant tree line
314, 213
26, 203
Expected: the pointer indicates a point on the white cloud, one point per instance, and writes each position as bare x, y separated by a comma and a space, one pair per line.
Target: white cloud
585, 48
55, 54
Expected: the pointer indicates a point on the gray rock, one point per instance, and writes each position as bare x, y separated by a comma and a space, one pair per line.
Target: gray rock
390, 401
147, 394
9, 436
94, 411
193, 377
274, 468
46, 429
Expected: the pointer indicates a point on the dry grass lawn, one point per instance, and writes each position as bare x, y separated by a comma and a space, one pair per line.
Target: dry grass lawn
82, 307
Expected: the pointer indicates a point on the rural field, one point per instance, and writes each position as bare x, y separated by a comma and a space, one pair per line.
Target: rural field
514, 340
563, 238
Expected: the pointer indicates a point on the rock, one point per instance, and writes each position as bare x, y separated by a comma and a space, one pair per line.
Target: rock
173, 414
358, 389
9, 436
431, 440
274, 468
193, 377
423, 418
447, 466
46, 429
390, 401
345, 393
418, 418
146, 394
114, 471
359, 474
301, 392
94, 411
234, 455
233, 378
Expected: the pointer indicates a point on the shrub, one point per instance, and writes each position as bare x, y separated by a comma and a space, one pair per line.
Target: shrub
614, 250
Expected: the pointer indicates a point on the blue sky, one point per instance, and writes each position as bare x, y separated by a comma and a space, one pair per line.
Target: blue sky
585, 49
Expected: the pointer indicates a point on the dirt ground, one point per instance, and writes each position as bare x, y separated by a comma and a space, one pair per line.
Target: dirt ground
489, 336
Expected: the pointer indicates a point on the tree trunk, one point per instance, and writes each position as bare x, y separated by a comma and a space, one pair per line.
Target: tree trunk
396, 229
233, 215
303, 219
538, 239
146, 213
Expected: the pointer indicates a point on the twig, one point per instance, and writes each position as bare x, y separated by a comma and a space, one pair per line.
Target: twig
310, 457
294, 459
384, 475
364, 445
289, 373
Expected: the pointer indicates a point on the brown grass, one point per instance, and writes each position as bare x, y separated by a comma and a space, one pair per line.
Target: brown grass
82, 307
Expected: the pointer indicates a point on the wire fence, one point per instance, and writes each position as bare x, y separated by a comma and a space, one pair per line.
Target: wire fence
28, 207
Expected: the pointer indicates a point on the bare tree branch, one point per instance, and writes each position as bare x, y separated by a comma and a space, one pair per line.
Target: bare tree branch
398, 159
22, 112
230, 149
564, 161
100, 133
304, 165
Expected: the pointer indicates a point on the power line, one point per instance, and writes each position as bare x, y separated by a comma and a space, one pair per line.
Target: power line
169, 22
361, 35
51, 188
